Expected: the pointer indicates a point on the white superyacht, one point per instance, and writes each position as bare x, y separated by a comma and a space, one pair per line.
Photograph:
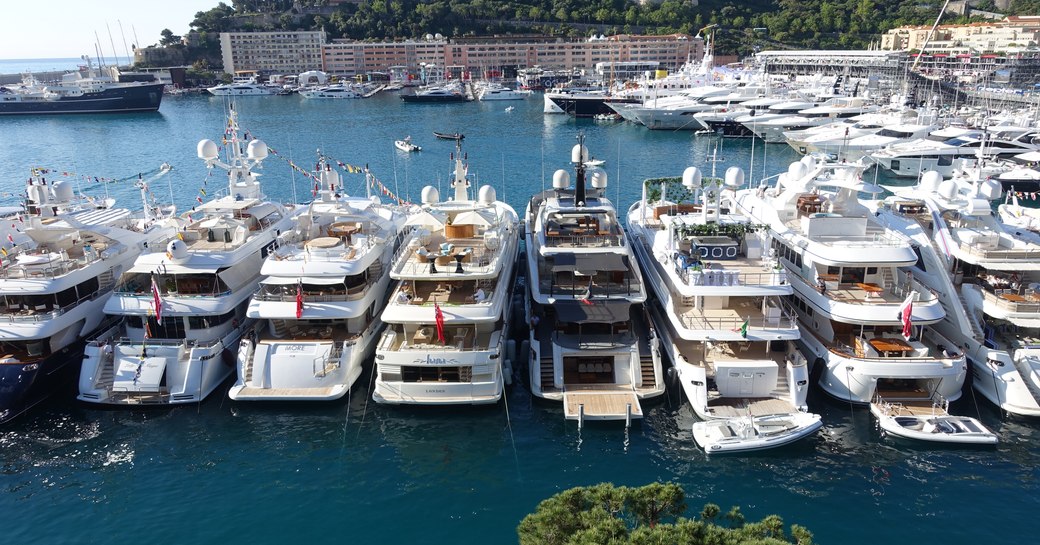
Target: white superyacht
591, 344
446, 340
320, 299
722, 314
183, 303
867, 327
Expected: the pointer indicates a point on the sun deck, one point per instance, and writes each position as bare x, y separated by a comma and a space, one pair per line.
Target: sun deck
600, 402
776, 316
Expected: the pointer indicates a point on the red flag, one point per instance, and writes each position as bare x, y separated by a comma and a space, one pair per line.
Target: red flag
439, 318
157, 301
905, 313
299, 299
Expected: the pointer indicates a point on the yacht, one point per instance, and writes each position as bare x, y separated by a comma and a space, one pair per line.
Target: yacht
241, 89
183, 302
319, 302
646, 111
497, 91
721, 310
772, 130
993, 275
590, 343
750, 122
862, 140
60, 257
88, 91
917, 156
448, 319
866, 327
437, 93
723, 121
331, 91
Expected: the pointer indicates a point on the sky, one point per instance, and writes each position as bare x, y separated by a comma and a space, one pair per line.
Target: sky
40, 29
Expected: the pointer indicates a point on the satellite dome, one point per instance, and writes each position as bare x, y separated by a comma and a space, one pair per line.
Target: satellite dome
257, 150
208, 150
177, 249
809, 161
930, 181
948, 189
990, 190
691, 178
579, 154
797, 171
734, 177
430, 195
561, 179
63, 191
486, 194
598, 176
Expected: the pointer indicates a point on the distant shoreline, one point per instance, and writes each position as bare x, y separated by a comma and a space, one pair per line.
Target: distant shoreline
56, 64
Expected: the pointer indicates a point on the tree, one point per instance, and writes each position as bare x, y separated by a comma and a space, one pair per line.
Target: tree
168, 38
647, 515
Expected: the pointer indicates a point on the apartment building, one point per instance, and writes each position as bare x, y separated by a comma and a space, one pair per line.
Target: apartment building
276, 52
1012, 33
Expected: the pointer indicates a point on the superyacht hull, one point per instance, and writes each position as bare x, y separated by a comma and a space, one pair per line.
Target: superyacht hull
126, 99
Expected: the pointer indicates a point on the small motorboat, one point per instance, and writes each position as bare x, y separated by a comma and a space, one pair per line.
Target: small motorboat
406, 145
449, 136
510, 108
748, 433
915, 420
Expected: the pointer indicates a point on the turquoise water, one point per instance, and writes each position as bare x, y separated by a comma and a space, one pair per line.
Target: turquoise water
355, 471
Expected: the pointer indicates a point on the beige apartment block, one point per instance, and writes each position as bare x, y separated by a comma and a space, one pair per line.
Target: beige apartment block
277, 52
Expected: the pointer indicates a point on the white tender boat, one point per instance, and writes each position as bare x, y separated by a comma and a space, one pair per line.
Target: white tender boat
320, 298
744, 434
446, 340
184, 301
331, 91
406, 145
242, 89
925, 419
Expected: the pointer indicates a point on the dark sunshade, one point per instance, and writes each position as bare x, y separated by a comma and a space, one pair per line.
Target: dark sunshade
589, 262
592, 311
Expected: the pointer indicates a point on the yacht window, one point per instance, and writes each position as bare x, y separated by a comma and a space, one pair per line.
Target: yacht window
88, 287
66, 297
135, 322
172, 328
894, 133
852, 275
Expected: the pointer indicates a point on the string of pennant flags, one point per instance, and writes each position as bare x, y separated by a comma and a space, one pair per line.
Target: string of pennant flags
1028, 195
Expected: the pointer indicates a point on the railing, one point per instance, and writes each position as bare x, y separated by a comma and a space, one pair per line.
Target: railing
787, 319
172, 294
584, 241
312, 297
900, 290
975, 250
864, 241
1030, 306
730, 277
48, 315
53, 270
334, 355
582, 288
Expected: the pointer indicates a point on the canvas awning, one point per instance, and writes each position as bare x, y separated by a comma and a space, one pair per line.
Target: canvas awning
309, 280
592, 311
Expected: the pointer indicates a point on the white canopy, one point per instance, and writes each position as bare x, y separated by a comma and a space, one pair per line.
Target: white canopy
474, 217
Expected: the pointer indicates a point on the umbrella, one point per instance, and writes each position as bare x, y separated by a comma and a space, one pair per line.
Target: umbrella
426, 218
474, 217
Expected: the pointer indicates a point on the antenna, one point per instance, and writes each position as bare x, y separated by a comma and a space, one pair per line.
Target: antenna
292, 174
123, 36
113, 42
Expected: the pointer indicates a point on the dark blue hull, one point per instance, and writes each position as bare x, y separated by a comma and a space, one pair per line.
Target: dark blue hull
23, 385
588, 106
116, 99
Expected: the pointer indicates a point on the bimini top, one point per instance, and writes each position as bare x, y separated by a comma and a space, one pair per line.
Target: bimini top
592, 311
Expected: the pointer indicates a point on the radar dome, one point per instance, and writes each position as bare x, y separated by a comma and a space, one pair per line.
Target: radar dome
579, 154
930, 181
990, 190
257, 149
948, 189
63, 191
598, 178
809, 161
734, 177
177, 249
207, 150
430, 195
691, 178
486, 194
561, 179
797, 171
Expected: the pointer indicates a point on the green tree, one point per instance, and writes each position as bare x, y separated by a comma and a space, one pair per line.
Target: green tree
168, 38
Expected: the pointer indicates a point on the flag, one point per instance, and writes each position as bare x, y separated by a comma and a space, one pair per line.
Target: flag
438, 317
10, 238
906, 311
157, 301
299, 299
743, 328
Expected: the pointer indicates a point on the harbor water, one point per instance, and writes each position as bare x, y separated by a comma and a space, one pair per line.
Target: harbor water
356, 471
